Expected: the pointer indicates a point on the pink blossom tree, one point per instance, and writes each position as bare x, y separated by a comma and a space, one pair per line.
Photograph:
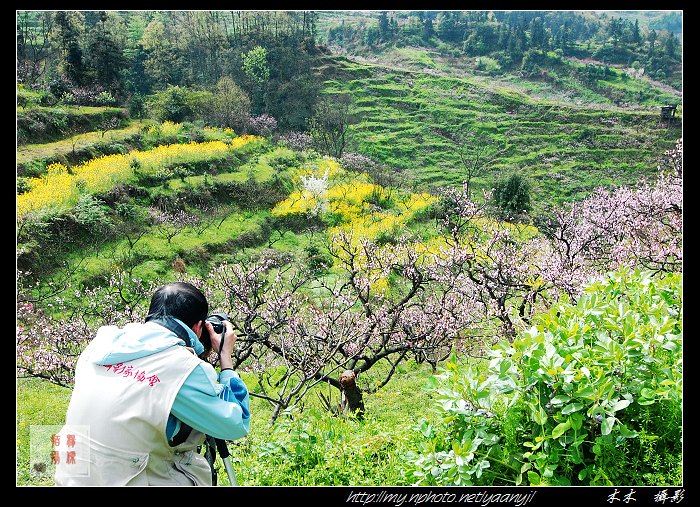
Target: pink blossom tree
54, 324
385, 303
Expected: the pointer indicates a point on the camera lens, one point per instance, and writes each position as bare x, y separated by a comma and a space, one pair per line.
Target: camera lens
217, 326
217, 321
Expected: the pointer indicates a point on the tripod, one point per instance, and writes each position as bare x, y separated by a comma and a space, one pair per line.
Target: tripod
212, 445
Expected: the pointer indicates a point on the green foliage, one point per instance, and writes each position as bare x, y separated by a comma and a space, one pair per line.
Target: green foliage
318, 258
282, 158
229, 106
257, 70
43, 240
255, 65
317, 448
488, 65
463, 449
176, 104
512, 197
291, 102
136, 105
28, 97
330, 123
536, 61
590, 395
92, 216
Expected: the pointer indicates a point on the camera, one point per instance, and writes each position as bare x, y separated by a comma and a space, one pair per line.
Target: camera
217, 322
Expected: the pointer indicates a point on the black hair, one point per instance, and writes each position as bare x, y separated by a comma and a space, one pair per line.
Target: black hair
181, 300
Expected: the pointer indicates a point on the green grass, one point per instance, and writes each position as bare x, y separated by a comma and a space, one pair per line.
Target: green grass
60, 149
374, 444
47, 124
161, 252
38, 403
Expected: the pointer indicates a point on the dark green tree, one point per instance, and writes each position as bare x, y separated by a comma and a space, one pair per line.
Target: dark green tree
670, 46
447, 27
67, 35
615, 30
511, 197
538, 36
330, 123
105, 56
292, 100
202, 41
636, 34
160, 64
229, 107
651, 39
383, 26
428, 30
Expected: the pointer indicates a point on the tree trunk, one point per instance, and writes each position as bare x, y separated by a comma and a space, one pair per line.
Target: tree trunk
350, 395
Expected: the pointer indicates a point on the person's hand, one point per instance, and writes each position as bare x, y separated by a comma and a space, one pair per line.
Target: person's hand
230, 338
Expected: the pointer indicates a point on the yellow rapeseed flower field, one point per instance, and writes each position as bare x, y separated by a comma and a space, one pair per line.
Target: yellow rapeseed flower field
62, 187
350, 202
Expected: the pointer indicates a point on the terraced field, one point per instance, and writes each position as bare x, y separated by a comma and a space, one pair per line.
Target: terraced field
405, 120
566, 150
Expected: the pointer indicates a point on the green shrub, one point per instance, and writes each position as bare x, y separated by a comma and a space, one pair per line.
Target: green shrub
512, 197
176, 104
91, 216
315, 447
590, 395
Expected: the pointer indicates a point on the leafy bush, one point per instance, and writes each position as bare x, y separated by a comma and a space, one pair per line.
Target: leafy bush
512, 197
30, 97
176, 104
590, 395
282, 158
91, 216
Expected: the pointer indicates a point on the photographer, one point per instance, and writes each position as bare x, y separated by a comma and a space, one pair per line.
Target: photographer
145, 398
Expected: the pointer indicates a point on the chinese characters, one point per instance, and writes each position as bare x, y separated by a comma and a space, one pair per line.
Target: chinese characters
137, 375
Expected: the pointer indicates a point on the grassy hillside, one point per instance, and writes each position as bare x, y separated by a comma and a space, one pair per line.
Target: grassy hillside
565, 149
407, 121
653, 19
32, 159
486, 38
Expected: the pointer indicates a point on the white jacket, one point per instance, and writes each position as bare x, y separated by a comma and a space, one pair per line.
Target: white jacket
117, 418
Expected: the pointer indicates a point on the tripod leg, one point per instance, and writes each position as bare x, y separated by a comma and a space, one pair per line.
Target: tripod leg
210, 455
222, 446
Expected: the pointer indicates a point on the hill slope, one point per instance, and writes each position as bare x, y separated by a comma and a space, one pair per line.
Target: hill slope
565, 149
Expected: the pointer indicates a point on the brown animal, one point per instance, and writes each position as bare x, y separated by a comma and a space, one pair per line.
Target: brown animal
350, 395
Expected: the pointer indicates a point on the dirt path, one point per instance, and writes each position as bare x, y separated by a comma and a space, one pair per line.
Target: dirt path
27, 152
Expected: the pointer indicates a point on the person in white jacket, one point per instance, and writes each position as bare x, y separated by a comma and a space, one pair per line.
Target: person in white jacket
144, 398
